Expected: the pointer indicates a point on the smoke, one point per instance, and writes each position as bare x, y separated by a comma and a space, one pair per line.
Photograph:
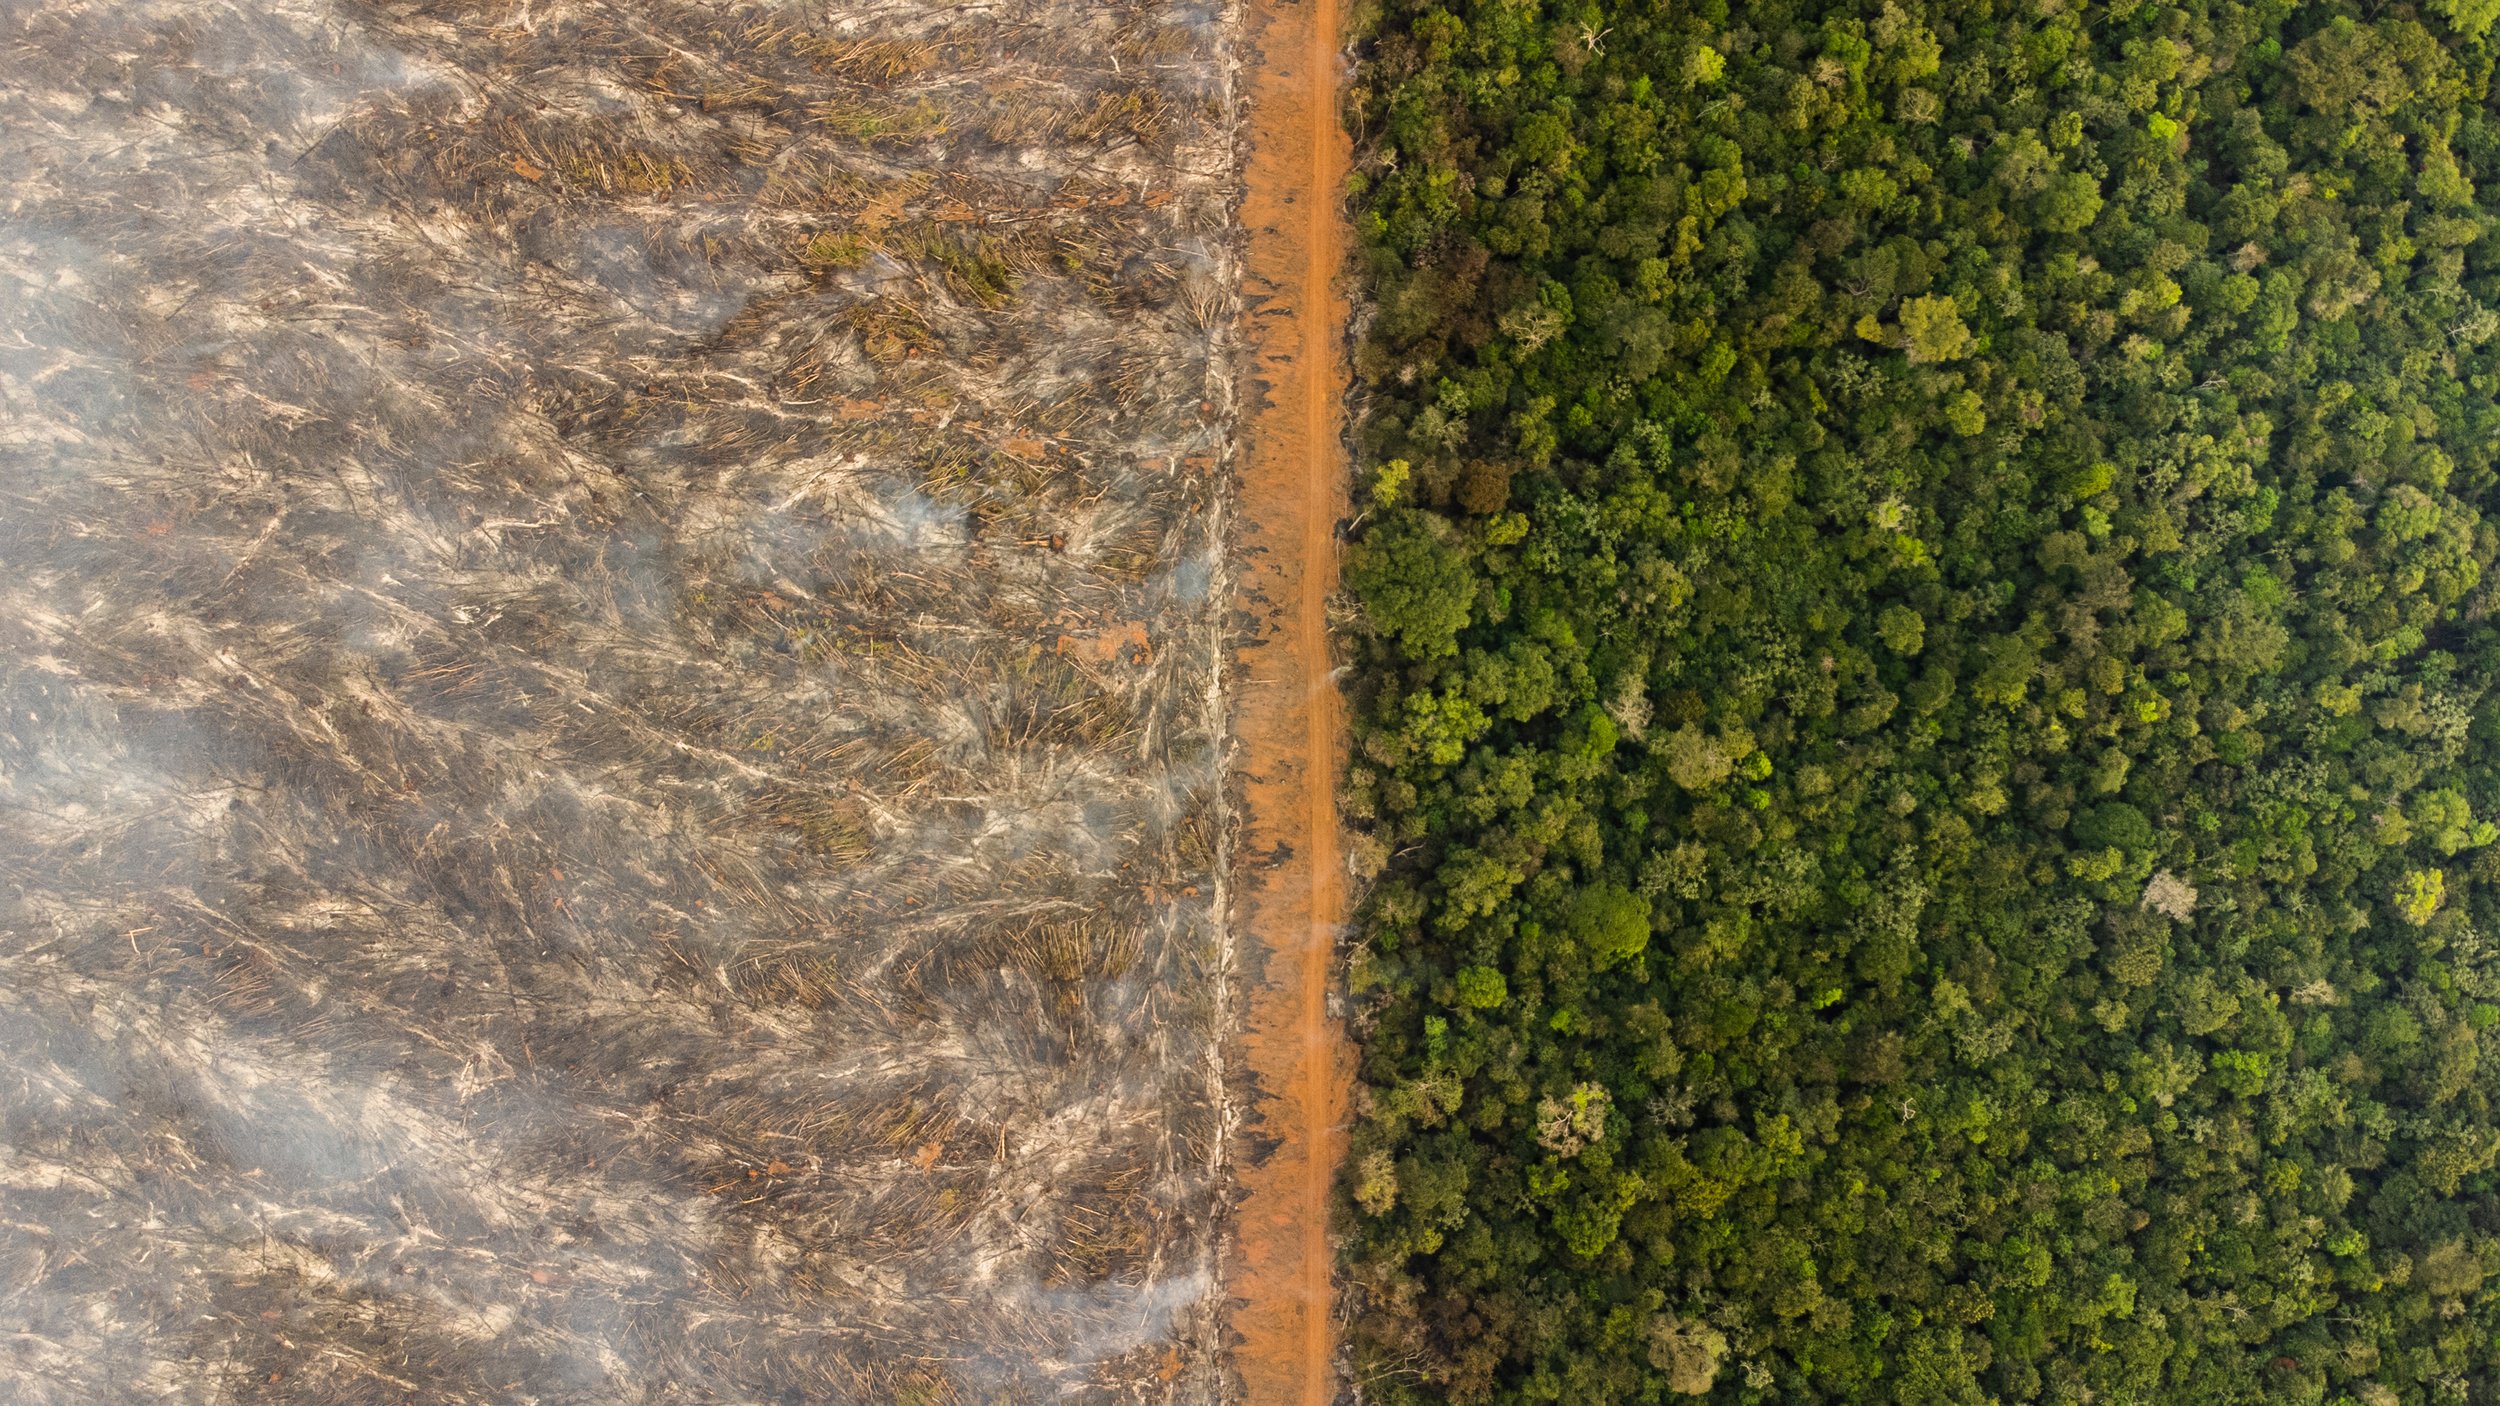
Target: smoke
593, 809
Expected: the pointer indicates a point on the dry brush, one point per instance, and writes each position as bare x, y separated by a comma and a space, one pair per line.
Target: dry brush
610, 777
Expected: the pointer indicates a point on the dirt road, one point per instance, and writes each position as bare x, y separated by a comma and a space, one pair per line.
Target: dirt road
1293, 487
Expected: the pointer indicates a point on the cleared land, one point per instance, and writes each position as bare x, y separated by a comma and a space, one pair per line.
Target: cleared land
611, 715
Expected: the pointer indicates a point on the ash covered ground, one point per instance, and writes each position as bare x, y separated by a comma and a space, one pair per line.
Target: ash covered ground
609, 727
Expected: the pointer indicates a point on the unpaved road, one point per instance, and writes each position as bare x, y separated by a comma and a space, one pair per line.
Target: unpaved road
1291, 874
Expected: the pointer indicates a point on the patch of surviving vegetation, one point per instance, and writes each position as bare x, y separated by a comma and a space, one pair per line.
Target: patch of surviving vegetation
608, 734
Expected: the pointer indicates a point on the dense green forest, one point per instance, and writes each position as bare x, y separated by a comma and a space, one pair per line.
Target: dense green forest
1927, 744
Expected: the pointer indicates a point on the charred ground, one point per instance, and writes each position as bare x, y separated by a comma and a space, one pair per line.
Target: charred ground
610, 780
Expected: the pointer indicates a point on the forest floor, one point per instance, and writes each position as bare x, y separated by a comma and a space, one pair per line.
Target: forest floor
1287, 865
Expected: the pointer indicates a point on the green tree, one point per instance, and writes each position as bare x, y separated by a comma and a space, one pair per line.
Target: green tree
1481, 988
1934, 330
1610, 923
2420, 894
1902, 629
1414, 582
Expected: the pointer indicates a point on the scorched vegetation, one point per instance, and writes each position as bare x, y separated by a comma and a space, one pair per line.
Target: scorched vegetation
608, 774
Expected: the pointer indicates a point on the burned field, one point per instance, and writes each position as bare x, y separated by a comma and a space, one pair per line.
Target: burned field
610, 711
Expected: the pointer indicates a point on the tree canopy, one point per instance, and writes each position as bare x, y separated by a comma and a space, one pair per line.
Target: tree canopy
1926, 745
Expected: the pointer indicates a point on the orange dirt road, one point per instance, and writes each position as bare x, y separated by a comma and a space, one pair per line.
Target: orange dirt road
1289, 871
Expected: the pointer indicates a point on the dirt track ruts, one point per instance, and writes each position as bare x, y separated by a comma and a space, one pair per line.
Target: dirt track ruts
1293, 485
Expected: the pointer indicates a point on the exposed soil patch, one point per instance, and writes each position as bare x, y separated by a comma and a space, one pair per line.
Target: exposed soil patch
1288, 871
